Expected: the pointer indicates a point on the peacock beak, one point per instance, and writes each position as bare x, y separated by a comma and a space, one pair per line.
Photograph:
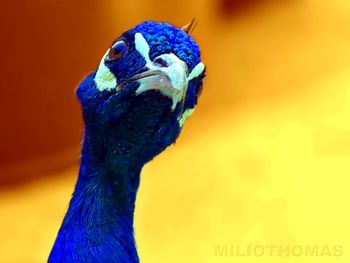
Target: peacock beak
166, 73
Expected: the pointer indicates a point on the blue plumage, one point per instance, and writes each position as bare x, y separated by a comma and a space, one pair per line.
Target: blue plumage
123, 131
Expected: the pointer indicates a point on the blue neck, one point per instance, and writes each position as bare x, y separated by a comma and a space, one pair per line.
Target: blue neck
122, 133
98, 226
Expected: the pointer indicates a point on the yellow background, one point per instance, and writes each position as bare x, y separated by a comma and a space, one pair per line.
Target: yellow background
265, 158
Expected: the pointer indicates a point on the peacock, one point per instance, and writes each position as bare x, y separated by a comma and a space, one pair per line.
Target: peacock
134, 106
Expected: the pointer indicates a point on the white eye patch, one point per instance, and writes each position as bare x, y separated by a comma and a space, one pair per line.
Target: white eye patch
104, 78
142, 47
187, 113
198, 69
176, 72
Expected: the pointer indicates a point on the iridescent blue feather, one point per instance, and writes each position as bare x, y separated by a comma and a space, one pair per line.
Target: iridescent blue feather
123, 131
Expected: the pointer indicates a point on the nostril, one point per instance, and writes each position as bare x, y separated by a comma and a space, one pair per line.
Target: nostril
161, 62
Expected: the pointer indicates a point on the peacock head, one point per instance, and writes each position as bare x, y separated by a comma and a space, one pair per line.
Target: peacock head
144, 88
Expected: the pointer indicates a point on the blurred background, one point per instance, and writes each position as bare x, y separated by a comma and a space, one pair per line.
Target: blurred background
265, 157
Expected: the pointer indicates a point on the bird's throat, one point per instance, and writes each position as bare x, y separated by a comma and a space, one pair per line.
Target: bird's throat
98, 226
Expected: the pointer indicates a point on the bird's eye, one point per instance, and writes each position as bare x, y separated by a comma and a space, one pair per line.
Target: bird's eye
161, 62
117, 50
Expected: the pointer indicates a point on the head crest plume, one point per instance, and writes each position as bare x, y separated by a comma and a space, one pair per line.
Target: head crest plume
190, 26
